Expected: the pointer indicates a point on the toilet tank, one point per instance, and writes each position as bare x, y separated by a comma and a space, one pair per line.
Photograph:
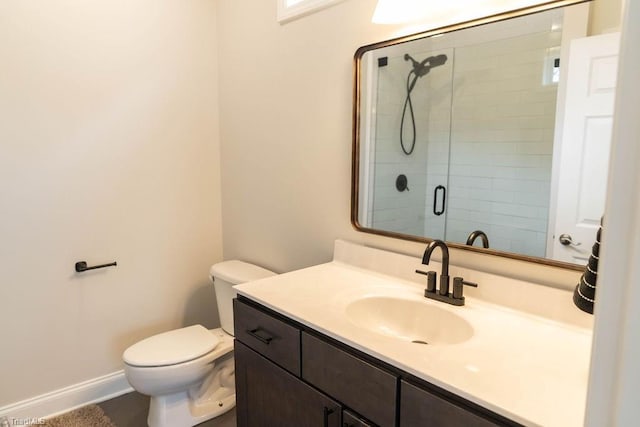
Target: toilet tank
225, 275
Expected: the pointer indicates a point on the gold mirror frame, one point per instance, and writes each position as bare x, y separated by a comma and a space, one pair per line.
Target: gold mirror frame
355, 154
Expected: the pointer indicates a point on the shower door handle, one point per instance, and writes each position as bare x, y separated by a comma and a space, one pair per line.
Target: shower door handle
440, 189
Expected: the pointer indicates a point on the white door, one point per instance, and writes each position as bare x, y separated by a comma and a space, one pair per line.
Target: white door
586, 140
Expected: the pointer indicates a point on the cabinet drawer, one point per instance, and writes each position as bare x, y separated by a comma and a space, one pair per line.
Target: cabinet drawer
271, 337
361, 386
419, 407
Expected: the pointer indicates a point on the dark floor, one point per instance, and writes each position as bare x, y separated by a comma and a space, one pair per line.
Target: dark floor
130, 410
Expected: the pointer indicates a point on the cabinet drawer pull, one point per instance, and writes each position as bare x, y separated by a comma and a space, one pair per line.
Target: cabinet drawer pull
260, 335
327, 412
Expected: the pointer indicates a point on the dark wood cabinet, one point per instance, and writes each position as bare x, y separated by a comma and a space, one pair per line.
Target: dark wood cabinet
419, 407
269, 396
290, 375
367, 389
349, 419
271, 337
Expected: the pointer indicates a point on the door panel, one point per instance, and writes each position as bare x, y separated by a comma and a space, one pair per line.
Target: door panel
584, 159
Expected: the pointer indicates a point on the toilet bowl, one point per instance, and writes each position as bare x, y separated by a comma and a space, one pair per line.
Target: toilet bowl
189, 372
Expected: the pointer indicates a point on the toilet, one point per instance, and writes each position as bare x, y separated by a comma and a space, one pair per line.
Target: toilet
189, 372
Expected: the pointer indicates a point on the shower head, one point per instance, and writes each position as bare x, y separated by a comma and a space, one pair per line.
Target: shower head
418, 70
435, 61
422, 68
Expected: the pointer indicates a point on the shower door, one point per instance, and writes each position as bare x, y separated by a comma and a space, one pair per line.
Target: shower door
410, 142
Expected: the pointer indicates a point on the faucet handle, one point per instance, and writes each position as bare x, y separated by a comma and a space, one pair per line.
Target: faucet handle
458, 282
431, 280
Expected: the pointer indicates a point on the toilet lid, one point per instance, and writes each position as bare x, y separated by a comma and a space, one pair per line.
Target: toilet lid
173, 347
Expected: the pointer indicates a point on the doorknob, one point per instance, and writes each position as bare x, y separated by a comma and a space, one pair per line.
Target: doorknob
566, 240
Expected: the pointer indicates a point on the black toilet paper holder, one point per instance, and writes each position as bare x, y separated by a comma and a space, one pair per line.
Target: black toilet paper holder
82, 266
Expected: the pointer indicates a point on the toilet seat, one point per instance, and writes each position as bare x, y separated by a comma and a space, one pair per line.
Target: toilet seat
171, 348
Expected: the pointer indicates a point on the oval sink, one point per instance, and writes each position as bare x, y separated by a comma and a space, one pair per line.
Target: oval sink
409, 320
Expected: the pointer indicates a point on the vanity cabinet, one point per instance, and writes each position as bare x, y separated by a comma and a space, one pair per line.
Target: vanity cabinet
290, 375
365, 388
267, 395
419, 407
275, 339
349, 419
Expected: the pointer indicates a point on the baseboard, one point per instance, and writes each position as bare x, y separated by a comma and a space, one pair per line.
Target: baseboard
69, 398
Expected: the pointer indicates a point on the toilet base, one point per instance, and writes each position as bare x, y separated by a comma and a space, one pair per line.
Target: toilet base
175, 411
212, 398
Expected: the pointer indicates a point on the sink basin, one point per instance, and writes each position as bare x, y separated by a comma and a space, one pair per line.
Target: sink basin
409, 320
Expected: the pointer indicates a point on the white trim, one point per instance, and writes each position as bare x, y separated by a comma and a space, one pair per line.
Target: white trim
303, 7
69, 398
614, 382
368, 100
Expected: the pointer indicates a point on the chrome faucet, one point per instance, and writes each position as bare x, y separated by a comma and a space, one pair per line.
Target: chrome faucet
478, 233
442, 293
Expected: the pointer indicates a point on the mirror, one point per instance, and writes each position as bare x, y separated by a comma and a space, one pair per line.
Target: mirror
458, 135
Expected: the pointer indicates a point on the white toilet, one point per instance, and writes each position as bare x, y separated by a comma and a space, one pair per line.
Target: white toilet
189, 372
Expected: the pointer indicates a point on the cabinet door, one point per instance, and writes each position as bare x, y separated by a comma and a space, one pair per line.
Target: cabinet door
349, 419
269, 396
419, 407
361, 386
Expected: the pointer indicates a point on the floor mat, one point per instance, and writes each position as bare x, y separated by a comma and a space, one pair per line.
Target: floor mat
87, 416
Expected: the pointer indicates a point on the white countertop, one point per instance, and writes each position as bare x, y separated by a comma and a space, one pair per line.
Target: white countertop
525, 367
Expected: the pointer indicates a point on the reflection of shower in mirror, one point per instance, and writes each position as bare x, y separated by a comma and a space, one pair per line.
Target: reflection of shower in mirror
482, 124
419, 69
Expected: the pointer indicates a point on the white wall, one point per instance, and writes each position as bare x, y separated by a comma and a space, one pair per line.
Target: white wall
109, 150
285, 114
605, 16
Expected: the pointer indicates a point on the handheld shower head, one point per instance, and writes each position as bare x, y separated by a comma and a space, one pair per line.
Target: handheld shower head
418, 70
422, 68
435, 61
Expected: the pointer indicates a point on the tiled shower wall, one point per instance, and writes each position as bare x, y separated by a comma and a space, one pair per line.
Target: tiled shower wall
405, 212
503, 119
493, 140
